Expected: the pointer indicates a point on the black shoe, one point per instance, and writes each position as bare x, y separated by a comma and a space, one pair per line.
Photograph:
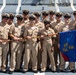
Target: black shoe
42, 71
21, 67
4, 71
60, 71
53, 71
35, 71
73, 71
18, 70
23, 71
10, 72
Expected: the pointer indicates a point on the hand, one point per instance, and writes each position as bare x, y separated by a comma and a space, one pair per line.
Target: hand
21, 39
29, 37
52, 50
6, 41
42, 36
58, 45
1, 41
15, 38
41, 49
53, 42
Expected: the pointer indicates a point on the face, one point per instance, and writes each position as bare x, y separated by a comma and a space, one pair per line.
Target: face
25, 16
10, 20
58, 18
32, 22
67, 20
47, 26
44, 16
37, 18
4, 20
75, 16
19, 21
52, 16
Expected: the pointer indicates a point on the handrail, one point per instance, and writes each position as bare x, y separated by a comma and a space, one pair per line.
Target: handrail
72, 6
4, 4
56, 6
18, 8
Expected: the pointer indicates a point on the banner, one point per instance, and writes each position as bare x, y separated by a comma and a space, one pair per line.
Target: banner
68, 45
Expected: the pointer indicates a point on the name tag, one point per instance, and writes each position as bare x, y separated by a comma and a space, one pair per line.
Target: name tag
32, 28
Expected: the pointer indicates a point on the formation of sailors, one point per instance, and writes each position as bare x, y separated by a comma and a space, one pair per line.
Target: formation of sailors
33, 41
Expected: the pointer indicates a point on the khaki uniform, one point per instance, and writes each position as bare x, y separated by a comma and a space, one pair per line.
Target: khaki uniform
44, 15
9, 52
73, 25
25, 24
31, 47
47, 47
62, 62
4, 47
52, 22
57, 28
40, 26
16, 47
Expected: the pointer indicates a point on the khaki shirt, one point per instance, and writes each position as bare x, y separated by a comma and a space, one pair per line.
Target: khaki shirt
31, 31
58, 26
4, 31
40, 25
66, 27
48, 32
17, 30
73, 25
52, 22
44, 19
12, 24
26, 23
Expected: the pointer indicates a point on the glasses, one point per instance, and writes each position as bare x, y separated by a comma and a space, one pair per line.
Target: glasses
5, 17
25, 13
31, 18
51, 13
10, 18
37, 15
19, 19
67, 17
59, 16
45, 14
74, 14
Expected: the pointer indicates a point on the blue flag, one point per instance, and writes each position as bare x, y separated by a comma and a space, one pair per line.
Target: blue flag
68, 45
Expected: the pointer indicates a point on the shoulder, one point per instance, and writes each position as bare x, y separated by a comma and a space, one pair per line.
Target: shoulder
51, 29
62, 23
72, 22
0, 23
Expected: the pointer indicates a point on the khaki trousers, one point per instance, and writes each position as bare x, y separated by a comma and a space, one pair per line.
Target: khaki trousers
47, 49
4, 48
16, 52
30, 53
39, 55
62, 63
0, 54
56, 53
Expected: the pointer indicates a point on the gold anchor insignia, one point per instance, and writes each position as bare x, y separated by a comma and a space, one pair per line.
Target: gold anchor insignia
66, 44
72, 47
69, 47
66, 50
